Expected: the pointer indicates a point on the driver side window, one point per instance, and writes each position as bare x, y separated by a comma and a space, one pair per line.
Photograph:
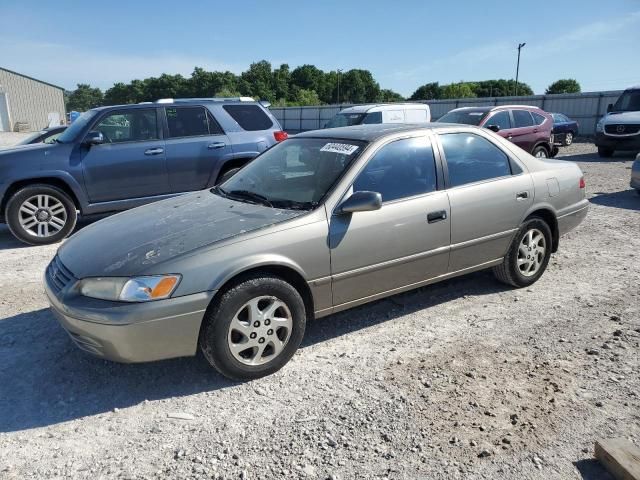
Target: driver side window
137, 125
401, 169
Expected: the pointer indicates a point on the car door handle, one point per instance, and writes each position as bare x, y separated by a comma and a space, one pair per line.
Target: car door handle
509, 137
522, 195
154, 151
214, 145
434, 217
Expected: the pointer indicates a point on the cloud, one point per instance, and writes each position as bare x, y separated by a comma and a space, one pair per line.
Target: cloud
67, 65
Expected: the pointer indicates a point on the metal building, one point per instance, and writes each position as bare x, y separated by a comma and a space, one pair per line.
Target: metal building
27, 104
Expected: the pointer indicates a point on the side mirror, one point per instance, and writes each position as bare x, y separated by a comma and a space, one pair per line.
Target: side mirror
494, 128
94, 138
361, 202
610, 108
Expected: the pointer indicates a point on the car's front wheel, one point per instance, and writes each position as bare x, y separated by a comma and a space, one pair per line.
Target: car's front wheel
540, 152
254, 328
528, 255
40, 214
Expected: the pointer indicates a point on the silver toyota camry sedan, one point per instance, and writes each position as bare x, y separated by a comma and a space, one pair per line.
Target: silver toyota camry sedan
319, 223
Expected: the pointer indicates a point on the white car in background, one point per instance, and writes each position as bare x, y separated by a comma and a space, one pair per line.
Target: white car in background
381, 113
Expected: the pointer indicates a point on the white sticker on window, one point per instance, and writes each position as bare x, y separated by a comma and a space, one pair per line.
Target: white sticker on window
344, 148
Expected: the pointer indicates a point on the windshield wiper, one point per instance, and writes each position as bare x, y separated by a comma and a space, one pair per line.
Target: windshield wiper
293, 204
247, 195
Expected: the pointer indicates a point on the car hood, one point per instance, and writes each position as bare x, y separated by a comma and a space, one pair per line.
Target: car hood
132, 241
31, 149
622, 117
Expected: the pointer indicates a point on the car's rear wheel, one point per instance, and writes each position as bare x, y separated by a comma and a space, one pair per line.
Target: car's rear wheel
540, 152
254, 328
528, 255
605, 152
568, 139
40, 214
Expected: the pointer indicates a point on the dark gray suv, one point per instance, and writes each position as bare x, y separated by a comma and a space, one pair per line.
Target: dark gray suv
119, 157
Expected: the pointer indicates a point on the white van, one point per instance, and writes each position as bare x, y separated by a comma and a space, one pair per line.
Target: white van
619, 129
381, 113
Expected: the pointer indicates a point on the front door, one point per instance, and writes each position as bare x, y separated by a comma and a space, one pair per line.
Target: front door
195, 145
403, 243
489, 195
131, 162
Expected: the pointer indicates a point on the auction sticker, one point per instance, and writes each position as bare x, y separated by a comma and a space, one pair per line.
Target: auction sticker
344, 148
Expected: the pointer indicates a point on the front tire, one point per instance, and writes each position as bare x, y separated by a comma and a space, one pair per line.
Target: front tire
227, 174
605, 152
540, 152
528, 255
40, 214
254, 328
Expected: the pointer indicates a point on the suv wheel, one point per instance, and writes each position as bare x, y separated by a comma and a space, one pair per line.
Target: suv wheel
540, 152
40, 214
528, 255
227, 174
605, 152
568, 139
254, 329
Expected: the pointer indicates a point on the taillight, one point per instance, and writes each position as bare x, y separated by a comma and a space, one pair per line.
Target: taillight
280, 135
582, 184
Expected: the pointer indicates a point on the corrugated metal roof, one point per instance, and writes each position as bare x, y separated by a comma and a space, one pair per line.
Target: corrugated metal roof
31, 78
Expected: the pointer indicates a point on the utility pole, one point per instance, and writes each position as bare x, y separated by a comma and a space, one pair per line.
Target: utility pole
520, 45
339, 72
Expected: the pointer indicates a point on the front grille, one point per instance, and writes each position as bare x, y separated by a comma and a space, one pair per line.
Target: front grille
622, 128
59, 275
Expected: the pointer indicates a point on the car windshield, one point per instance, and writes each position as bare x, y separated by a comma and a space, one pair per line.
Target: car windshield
345, 120
70, 134
628, 102
468, 117
294, 174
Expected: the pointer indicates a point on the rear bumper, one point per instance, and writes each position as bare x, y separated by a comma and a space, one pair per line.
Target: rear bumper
569, 220
631, 142
136, 332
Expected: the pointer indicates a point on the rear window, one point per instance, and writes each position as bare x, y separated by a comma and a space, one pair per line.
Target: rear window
187, 122
537, 118
249, 117
468, 117
522, 118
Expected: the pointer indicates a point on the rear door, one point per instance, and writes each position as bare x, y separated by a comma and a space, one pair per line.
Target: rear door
524, 129
195, 147
489, 194
131, 162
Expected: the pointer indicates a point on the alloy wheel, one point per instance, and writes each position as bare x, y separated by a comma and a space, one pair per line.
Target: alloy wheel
42, 215
541, 153
531, 252
260, 330
568, 139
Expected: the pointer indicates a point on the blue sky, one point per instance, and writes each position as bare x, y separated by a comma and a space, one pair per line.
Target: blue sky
404, 43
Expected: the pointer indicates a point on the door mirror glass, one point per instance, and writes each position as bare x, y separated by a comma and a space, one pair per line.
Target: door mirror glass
610, 108
494, 128
94, 138
361, 202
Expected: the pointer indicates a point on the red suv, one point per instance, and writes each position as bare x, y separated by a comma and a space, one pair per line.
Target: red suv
528, 127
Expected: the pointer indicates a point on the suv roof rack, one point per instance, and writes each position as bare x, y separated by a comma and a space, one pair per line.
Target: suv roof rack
211, 99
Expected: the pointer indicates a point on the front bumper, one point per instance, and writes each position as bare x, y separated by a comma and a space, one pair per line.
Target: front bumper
130, 332
632, 142
635, 175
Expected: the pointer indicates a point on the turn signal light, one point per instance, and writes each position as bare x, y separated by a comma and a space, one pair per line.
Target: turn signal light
280, 135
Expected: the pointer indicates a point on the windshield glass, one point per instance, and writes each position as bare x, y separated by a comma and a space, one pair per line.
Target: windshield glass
295, 174
30, 138
345, 120
70, 134
628, 102
468, 117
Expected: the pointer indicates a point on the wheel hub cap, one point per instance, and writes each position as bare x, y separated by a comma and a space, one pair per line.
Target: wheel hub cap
260, 330
531, 252
42, 215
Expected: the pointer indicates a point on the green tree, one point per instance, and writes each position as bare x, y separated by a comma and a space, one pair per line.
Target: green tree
358, 86
165, 86
565, 85
387, 95
281, 81
84, 97
500, 88
257, 81
458, 90
428, 91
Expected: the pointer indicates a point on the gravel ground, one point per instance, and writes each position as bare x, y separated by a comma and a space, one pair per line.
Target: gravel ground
465, 379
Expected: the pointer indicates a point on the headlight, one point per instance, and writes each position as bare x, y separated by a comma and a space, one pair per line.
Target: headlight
599, 126
136, 289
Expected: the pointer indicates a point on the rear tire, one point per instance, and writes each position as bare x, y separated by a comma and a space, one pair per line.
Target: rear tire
540, 152
40, 214
254, 328
568, 139
525, 262
606, 152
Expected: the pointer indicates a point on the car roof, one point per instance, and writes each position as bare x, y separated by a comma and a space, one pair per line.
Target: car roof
183, 101
383, 106
492, 108
373, 131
